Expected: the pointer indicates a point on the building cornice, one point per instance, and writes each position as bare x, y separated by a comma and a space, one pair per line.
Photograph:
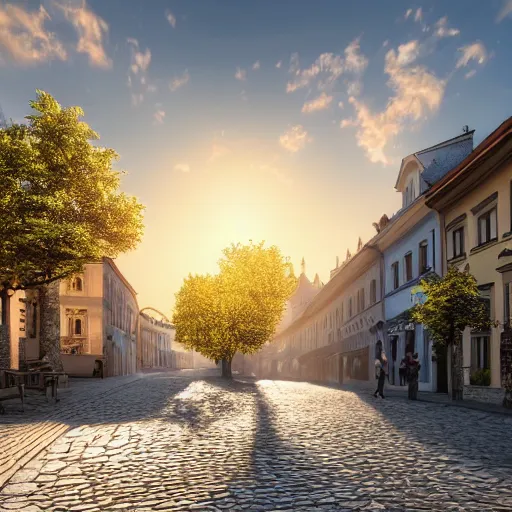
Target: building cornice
491, 153
123, 279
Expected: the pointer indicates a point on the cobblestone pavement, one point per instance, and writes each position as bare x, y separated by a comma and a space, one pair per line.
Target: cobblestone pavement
193, 442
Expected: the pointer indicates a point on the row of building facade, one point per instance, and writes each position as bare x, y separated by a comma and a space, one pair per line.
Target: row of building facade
102, 329
456, 211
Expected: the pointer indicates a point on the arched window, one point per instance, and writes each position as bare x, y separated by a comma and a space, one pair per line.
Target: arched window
78, 326
77, 284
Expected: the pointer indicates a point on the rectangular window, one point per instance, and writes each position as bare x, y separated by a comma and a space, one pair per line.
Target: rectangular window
458, 242
395, 275
487, 227
350, 307
480, 353
373, 291
408, 266
342, 313
32, 333
423, 257
362, 299
506, 295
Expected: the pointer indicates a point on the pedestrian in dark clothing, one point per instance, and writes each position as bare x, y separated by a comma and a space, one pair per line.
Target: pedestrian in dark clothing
413, 373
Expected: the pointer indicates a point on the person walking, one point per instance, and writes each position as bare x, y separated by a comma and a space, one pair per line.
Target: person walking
380, 373
413, 373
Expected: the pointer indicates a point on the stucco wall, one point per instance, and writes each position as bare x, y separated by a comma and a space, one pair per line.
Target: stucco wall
90, 299
484, 261
397, 302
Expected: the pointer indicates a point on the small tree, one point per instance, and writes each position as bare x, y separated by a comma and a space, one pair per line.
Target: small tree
237, 310
60, 207
453, 304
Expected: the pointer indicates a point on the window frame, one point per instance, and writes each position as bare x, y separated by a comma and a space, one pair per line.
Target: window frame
408, 257
395, 275
373, 291
488, 225
422, 251
455, 254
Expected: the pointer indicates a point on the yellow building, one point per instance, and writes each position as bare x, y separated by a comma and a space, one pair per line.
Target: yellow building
474, 200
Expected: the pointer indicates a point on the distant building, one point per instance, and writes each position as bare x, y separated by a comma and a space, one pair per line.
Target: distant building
155, 342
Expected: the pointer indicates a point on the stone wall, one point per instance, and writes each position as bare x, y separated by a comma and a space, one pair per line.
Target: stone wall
5, 347
484, 394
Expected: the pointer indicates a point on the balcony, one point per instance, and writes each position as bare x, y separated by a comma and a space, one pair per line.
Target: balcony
73, 345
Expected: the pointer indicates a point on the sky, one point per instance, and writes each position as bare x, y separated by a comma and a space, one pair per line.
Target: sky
283, 121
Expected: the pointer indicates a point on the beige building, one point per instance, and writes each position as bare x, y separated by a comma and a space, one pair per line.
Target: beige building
98, 312
475, 202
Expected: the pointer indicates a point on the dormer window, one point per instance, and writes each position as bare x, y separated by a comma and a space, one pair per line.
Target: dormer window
409, 194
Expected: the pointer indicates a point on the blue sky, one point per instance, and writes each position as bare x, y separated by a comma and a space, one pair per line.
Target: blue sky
277, 120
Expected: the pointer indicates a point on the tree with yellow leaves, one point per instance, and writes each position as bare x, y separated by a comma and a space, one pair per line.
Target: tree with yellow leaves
238, 309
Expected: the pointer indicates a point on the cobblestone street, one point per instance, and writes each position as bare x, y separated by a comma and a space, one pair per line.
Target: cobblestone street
190, 441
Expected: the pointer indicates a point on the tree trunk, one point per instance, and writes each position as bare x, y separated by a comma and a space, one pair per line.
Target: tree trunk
49, 332
226, 368
457, 377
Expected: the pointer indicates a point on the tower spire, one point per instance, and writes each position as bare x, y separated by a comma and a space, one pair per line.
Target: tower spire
303, 266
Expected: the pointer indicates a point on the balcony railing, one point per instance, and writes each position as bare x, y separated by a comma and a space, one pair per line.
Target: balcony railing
73, 345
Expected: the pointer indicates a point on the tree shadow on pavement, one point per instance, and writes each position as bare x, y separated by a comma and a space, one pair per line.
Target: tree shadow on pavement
464, 435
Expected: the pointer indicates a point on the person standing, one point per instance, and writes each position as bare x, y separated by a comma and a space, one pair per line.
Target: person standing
413, 373
380, 371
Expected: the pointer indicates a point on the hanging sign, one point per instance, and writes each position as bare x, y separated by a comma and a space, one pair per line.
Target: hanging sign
417, 295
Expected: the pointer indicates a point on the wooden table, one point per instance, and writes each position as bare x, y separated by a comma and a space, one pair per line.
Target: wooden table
45, 380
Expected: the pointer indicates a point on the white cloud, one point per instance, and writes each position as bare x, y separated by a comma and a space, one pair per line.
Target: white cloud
355, 61
24, 37
505, 11
138, 79
469, 74
294, 139
218, 151
171, 18
340, 104
417, 93
407, 13
385, 43
475, 51
241, 74
442, 29
140, 60
91, 30
182, 167
321, 103
256, 65
408, 53
159, 116
279, 64
327, 65
418, 16
348, 122
327, 68
179, 81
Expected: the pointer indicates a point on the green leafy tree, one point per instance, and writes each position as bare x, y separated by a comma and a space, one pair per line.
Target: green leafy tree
238, 309
453, 304
60, 207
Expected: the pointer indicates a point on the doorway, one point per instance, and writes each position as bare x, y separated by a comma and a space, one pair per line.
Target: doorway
442, 369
